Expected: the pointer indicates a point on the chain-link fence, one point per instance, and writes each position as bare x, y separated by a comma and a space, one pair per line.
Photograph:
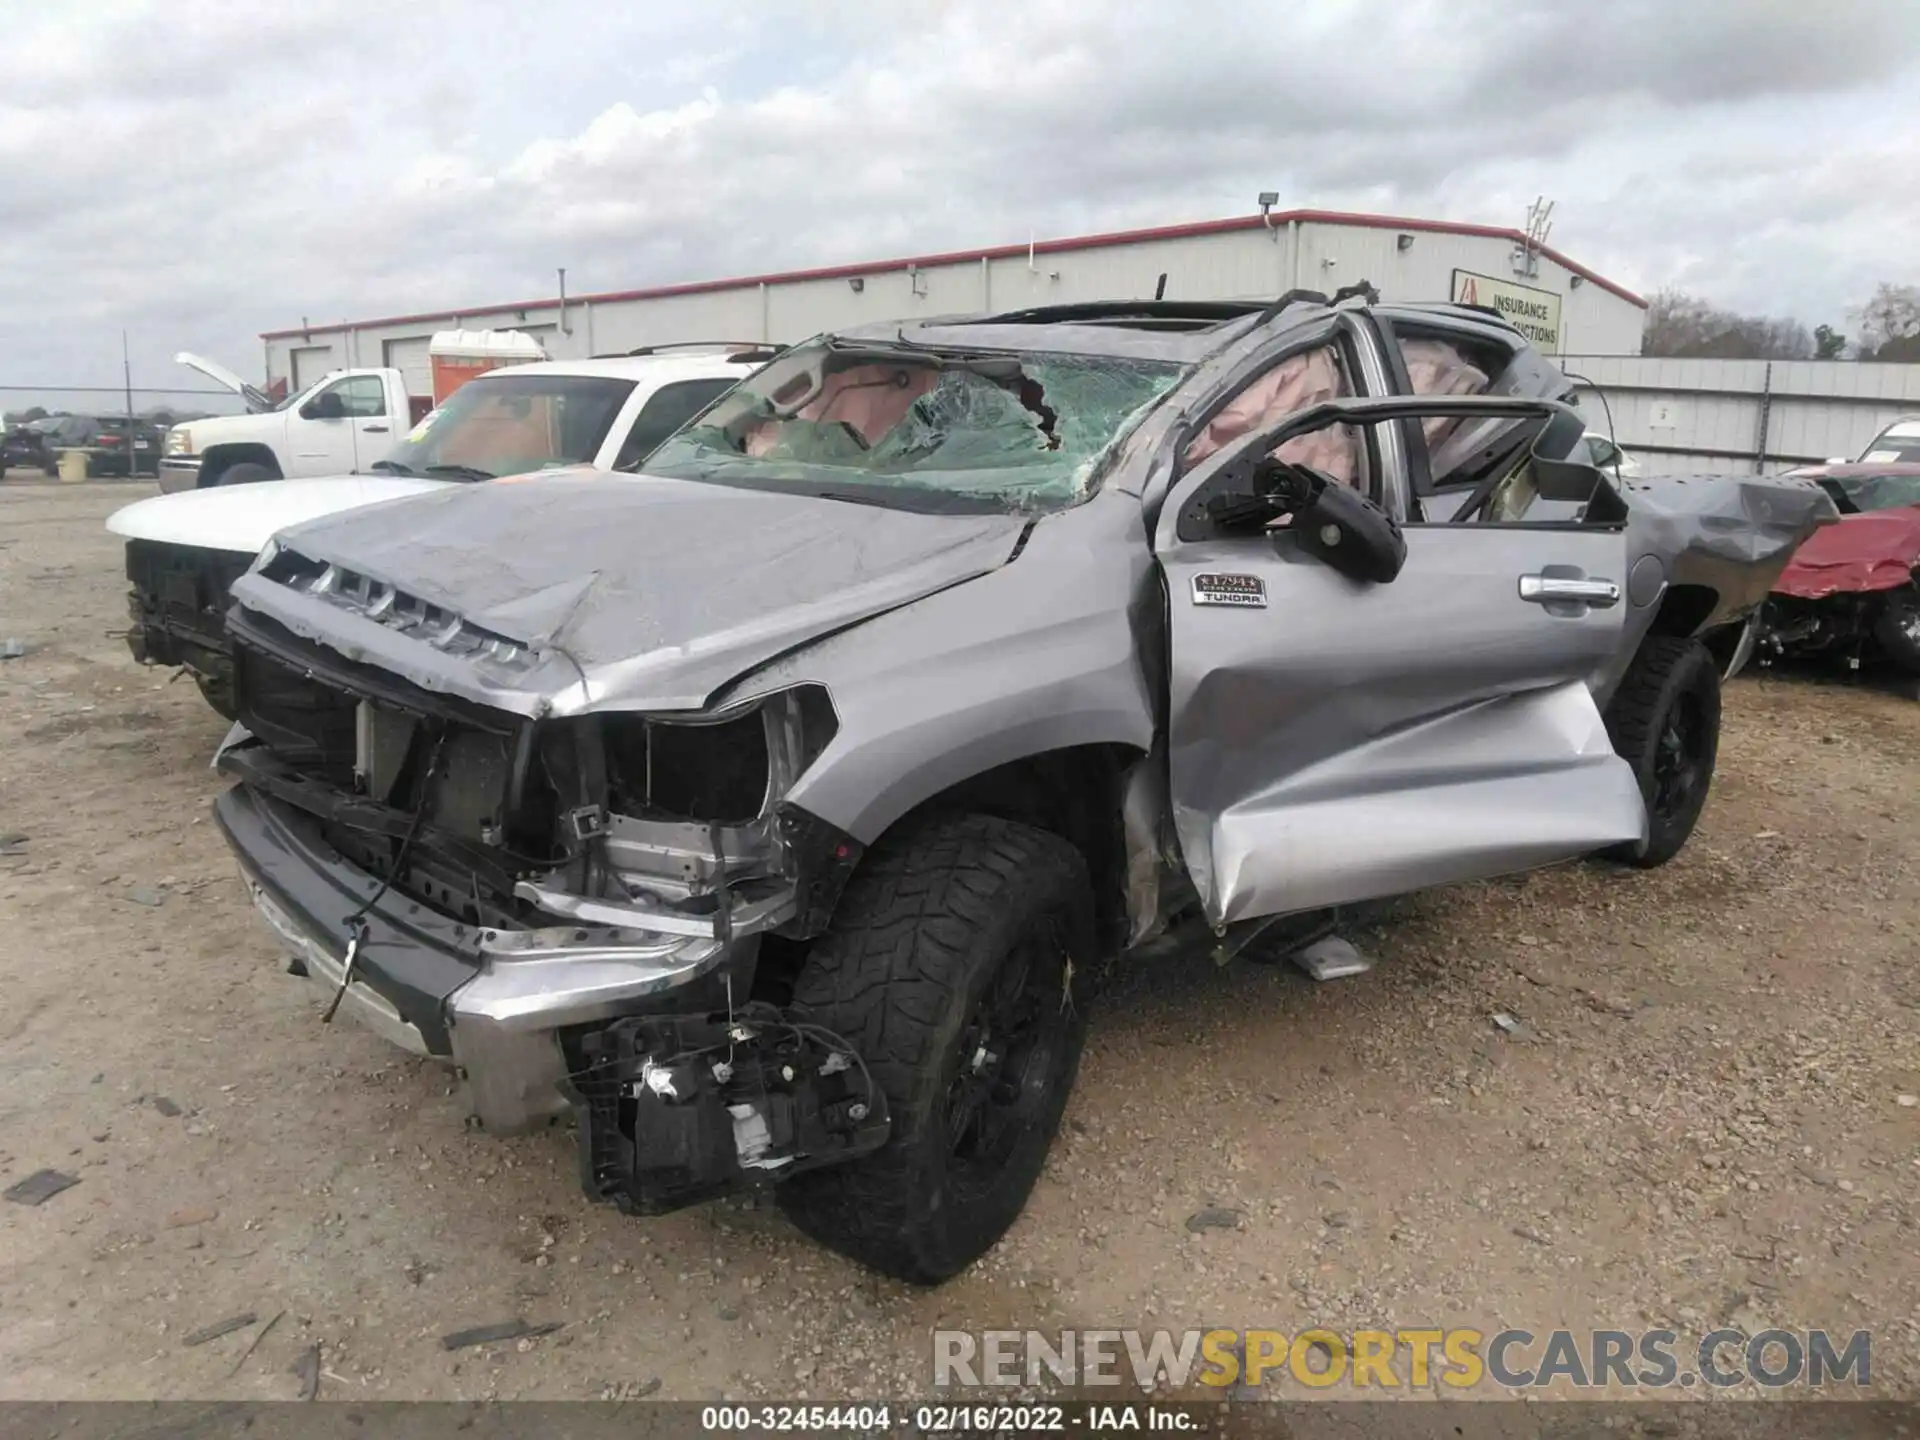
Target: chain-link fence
78, 432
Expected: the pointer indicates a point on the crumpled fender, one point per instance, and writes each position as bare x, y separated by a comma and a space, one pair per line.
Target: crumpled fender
1874, 551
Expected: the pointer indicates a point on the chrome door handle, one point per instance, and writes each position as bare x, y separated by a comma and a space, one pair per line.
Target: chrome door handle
373, 429
1552, 589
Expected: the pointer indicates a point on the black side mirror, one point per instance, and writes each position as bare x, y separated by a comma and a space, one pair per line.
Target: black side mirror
1336, 523
325, 406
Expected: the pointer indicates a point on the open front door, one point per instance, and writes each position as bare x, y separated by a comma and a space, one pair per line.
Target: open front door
1331, 740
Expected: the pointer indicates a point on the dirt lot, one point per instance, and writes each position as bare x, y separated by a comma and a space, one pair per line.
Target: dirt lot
1702, 1121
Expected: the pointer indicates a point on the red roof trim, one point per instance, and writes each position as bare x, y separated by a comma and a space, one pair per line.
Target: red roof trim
993, 252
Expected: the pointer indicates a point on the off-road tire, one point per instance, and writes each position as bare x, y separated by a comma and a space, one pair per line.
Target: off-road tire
1672, 686
926, 926
1897, 628
246, 472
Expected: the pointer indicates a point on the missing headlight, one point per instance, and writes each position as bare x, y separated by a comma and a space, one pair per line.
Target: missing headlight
720, 768
714, 772
726, 769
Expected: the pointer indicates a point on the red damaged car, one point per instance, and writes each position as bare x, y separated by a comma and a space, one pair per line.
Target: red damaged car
1851, 590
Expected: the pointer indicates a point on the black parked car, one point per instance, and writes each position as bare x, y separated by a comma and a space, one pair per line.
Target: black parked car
120, 448
29, 446
114, 446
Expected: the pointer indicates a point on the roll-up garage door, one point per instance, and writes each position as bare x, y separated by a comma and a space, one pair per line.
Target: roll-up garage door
310, 362
412, 359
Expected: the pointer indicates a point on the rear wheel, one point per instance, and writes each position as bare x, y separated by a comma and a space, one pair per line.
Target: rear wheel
1665, 722
958, 966
1898, 629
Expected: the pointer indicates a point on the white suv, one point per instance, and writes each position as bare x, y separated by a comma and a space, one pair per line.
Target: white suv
1898, 444
185, 550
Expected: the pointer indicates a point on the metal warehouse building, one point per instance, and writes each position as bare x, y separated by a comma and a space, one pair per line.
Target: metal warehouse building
1565, 307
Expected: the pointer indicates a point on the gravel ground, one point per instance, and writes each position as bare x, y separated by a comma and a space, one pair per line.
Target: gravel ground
1701, 1121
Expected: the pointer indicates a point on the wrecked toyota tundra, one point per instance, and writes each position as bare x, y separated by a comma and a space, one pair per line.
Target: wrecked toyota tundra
775, 813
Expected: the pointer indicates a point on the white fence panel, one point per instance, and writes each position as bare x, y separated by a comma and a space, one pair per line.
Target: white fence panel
1692, 417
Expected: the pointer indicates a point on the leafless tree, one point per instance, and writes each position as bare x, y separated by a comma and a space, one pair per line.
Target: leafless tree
1890, 323
1685, 325
1675, 321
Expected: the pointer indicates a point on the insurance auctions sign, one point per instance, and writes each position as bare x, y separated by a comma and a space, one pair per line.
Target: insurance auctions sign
1534, 313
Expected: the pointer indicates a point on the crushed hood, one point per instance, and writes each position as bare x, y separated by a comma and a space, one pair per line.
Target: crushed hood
631, 592
242, 518
1877, 550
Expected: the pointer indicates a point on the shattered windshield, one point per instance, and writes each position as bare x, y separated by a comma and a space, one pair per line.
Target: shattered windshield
511, 424
1855, 493
918, 429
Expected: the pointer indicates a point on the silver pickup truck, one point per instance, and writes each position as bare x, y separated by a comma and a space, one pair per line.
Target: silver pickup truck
776, 813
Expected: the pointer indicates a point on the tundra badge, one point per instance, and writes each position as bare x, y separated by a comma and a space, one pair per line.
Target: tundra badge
1244, 591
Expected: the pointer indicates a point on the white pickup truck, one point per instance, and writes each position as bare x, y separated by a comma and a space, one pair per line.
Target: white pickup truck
610, 413
339, 425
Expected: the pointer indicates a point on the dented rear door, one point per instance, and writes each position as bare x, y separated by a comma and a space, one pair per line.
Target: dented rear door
1331, 741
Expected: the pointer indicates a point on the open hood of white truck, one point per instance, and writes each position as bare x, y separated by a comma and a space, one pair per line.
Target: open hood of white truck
242, 518
257, 399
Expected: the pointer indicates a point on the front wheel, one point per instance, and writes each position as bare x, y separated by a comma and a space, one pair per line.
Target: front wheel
246, 473
958, 965
1665, 722
1898, 629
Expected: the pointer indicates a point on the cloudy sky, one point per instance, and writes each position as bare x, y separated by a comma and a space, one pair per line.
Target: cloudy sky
197, 171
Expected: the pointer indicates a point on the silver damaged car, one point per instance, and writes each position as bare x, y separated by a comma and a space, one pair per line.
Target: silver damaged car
776, 813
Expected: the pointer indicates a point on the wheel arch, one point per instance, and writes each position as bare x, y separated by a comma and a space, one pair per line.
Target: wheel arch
1693, 611
1684, 609
1076, 791
218, 459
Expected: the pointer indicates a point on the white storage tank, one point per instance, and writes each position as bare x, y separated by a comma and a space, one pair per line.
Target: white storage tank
459, 355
